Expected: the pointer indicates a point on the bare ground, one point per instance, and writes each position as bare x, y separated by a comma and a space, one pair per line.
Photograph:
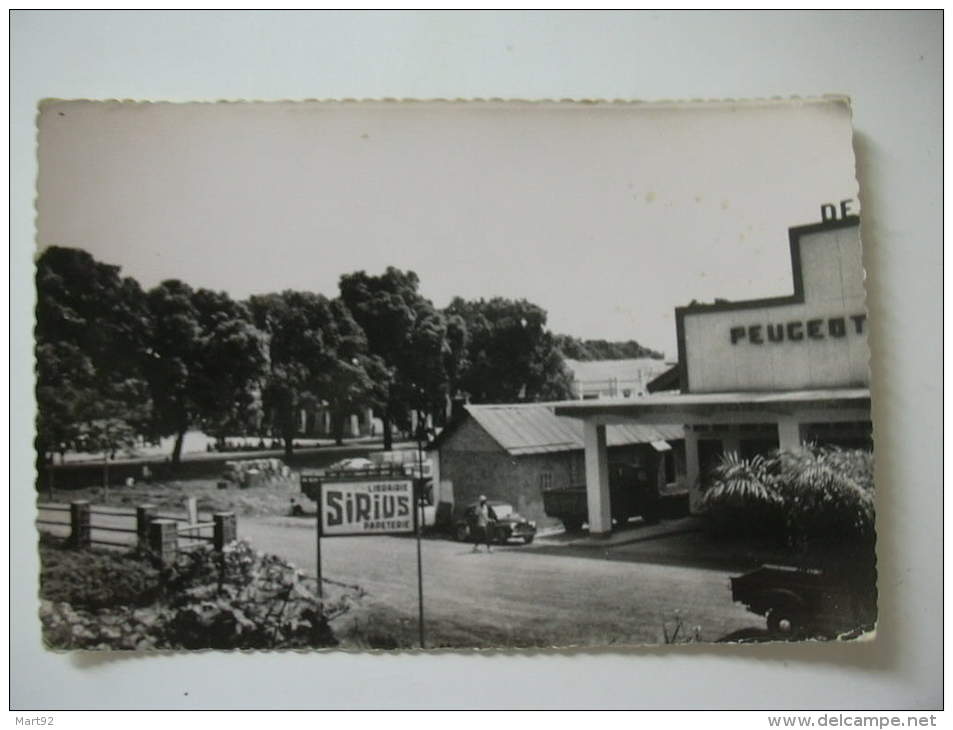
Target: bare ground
515, 597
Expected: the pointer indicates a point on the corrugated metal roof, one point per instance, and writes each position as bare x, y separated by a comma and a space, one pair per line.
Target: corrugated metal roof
536, 429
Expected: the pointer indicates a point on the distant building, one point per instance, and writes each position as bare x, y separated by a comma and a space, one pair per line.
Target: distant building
613, 378
513, 452
316, 423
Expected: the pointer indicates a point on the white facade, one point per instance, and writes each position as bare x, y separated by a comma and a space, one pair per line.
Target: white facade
770, 373
817, 342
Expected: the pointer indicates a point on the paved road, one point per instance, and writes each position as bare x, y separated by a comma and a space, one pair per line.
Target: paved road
517, 595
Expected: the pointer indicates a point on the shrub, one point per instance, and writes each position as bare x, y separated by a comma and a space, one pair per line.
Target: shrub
95, 579
241, 599
236, 599
828, 494
743, 498
815, 496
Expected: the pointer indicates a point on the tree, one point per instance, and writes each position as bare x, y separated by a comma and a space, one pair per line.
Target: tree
349, 378
231, 365
206, 360
317, 355
173, 363
409, 336
91, 330
577, 349
510, 355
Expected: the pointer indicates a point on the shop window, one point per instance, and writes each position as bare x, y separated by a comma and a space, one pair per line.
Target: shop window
747, 448
573, 469
843, 435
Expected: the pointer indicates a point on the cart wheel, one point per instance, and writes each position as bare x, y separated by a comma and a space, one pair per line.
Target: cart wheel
528, 540
462, 533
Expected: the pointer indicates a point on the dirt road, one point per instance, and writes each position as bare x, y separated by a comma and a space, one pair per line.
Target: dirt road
515, 596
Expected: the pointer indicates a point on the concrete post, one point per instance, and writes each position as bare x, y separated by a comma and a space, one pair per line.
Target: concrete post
789, 434
145, 513
692, 471
597, 478
164, 540
226, 529
80, 536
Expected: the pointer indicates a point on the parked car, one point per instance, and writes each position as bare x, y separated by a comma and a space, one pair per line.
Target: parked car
508, 525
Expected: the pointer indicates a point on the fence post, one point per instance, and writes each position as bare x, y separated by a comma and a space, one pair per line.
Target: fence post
226, 529
79, 523
192, 510
164, 540
145, 513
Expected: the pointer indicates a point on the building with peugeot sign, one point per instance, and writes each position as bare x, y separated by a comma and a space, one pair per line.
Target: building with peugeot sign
759, 374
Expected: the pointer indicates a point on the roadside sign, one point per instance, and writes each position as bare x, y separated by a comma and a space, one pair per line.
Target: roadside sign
370, 507
365, 505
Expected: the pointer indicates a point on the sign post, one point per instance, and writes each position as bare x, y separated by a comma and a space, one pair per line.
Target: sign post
418, 516
368, 502
317, 549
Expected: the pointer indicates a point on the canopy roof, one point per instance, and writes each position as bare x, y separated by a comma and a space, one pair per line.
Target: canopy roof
534, 428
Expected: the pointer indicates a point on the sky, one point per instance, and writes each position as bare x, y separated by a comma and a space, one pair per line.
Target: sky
607, 215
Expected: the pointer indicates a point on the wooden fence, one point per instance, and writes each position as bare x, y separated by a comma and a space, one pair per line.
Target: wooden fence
159, 534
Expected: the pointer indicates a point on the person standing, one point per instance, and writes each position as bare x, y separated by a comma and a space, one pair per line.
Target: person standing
485, 525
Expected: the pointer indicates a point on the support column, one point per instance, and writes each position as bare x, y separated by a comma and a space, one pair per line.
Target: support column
789, 434
597, 478
692, 471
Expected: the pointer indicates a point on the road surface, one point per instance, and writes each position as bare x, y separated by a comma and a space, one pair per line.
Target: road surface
516, 596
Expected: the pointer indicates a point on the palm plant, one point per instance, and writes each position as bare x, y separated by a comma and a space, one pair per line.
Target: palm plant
828, 495
816, 496
742, 498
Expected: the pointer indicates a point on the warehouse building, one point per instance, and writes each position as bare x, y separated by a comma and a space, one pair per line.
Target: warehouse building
754, 375
513, 453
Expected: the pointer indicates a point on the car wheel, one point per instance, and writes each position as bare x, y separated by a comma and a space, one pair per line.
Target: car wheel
651, 517
462, 533
572, 525
785, 621
528, 540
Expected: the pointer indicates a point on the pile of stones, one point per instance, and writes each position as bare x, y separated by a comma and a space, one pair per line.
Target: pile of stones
253, 473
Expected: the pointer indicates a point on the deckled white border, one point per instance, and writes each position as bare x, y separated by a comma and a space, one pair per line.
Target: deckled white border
892, 102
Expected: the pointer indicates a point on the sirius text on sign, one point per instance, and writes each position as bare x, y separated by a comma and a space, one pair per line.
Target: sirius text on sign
374, 507
799, 330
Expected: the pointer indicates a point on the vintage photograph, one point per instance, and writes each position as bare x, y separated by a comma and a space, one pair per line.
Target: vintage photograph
390, 375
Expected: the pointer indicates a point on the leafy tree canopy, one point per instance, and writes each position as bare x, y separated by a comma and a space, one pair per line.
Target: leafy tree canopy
511, 356
575, 348
91, 326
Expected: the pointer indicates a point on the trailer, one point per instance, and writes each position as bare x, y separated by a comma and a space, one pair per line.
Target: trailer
807, 601
631, 493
